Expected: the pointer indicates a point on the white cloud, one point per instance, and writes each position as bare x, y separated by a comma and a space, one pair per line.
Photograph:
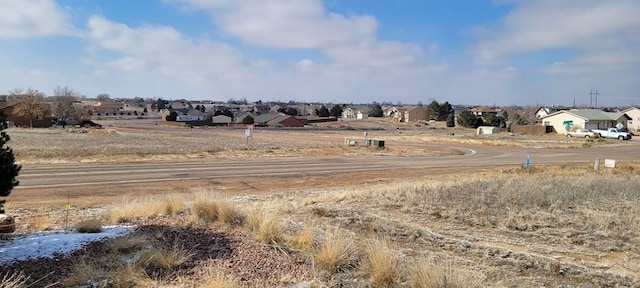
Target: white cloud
305, 65
357, 66
546, 24
288, 23
33, 18
128, 63
161, 47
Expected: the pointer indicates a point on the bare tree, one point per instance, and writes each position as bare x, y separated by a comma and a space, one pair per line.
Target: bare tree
528, 114
64, 97
28, 103
103, 97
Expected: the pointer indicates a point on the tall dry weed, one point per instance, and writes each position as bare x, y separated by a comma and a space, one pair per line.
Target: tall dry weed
386, 267
425, 274
337, 252
14, 280
306, 240
216, 278
130, 209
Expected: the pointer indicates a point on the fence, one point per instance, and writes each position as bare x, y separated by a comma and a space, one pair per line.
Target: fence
532, 129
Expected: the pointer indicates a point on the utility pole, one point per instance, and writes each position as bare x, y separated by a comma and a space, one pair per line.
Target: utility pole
594, 96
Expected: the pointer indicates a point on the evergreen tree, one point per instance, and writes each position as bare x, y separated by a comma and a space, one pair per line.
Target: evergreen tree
433, 110
323, 111
376, 111
336, 111
8, 168
444, 111
466, 119
248, 120
451, 120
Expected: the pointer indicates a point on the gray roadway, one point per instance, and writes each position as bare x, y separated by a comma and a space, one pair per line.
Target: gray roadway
475, 156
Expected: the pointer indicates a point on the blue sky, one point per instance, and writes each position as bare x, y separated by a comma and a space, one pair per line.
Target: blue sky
507, 52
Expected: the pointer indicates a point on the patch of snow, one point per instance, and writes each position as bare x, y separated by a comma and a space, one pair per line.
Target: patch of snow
46, 244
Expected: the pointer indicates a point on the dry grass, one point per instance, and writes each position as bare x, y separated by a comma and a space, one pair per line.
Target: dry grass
14, 280
221, 211
36, 222
130, 209
131, 262
337, 253
206, 210
229, 214
424, 274
386, 268
270, 232
306, 240
215, 278
130, 275
127, 244
89, 226
167, 258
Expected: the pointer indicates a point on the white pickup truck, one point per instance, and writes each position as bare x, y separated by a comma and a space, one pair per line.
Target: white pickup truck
613, 133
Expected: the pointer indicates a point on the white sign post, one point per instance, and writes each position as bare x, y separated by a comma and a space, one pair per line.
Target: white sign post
249, 133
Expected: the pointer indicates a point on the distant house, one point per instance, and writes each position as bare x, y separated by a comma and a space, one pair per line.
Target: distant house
106, 108
277, 120
220, 120
181, 104
15, 117
633, 124
583, 119
356, 112
391, 112
413, 113
133, 107
192, 115
481, 111
544, 111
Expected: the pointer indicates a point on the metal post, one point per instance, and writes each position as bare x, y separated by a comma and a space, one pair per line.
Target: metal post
596, 165
528, 162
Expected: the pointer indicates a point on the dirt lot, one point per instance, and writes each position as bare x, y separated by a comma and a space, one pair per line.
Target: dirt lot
482, 226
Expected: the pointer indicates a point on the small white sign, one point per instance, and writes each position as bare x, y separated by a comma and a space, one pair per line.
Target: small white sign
610, 163
248, 132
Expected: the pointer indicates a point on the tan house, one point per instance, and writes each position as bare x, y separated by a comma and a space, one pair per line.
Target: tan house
413, 113
106, 108
15, 117
633, 124
583, 119
481, 111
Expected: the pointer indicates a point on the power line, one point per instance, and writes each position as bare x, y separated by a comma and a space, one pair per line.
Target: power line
594, 96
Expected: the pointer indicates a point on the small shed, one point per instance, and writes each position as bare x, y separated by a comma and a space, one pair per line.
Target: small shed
482, 130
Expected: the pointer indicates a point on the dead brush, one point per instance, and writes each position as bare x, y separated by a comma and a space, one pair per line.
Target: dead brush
306, 240
167, 258
229, 214
130, 210
265, 229
128, 244
84, 272
14, 280
130, 275
337, 252
206, 210
385, 266
89, 226
218, 279
423, 273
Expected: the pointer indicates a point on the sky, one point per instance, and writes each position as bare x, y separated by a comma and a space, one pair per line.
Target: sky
470, 52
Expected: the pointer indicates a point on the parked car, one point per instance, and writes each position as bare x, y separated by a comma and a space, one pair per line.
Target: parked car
584, 133
613, 133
